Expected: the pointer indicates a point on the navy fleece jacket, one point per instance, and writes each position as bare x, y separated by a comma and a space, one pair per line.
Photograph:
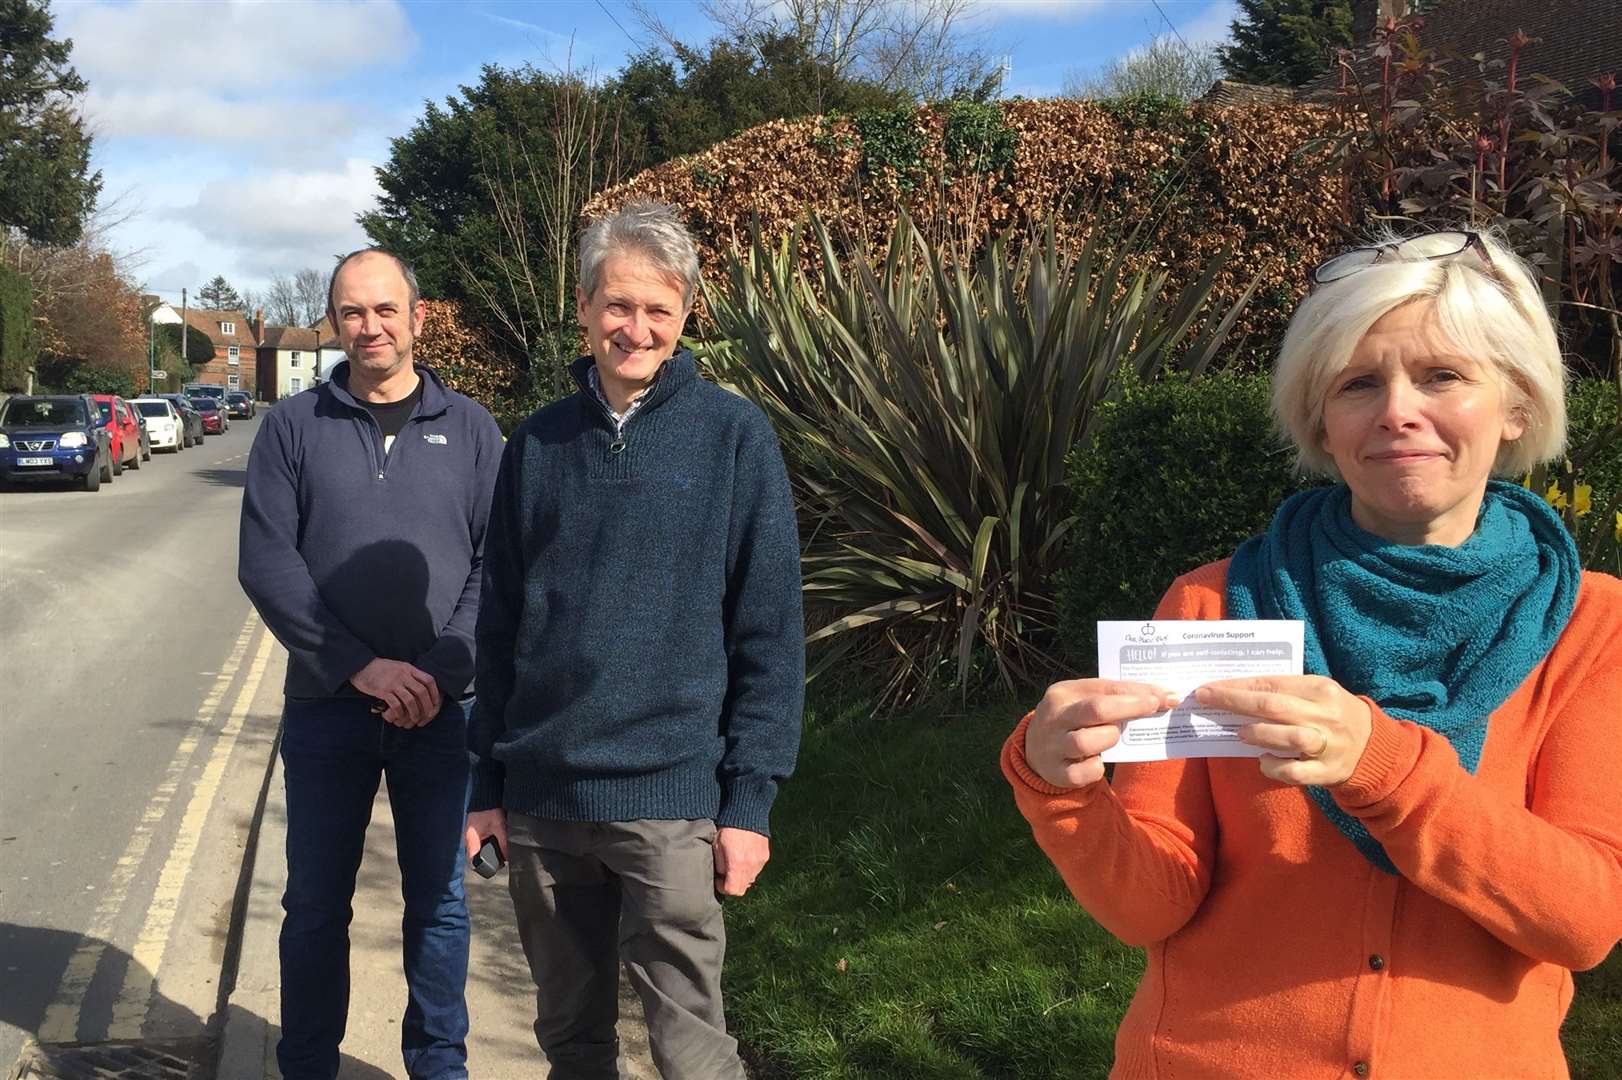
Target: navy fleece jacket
641, 649
352, 554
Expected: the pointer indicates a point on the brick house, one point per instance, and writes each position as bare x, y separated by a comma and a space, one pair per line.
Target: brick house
236, 341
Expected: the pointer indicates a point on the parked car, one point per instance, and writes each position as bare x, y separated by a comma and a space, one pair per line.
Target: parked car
215, 422
55, 438
124, 429
140, 427
198, 389
239, 403
193, 418
165, 427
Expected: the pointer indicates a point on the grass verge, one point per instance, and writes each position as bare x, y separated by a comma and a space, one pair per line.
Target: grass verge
909, 928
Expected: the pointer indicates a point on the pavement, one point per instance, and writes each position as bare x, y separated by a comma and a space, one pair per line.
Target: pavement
500, 994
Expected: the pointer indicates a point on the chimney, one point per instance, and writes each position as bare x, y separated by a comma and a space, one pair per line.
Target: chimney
258, 326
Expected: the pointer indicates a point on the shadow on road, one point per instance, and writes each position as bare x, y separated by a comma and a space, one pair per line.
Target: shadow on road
37, 956
223, 477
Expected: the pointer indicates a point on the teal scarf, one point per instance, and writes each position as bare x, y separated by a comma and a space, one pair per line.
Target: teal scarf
1437, 635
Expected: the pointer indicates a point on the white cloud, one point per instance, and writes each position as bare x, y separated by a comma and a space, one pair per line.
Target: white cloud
1213, 25
171, 279
280, 221
233, 47
178, 114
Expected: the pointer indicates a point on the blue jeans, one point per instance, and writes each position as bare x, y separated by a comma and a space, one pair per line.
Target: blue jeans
333, 753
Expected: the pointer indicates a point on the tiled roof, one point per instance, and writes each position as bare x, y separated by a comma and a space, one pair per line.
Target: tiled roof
1229, 92
1578, 39
289, 337
209, 323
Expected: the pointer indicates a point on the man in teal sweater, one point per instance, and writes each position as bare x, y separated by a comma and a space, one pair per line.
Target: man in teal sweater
641, 667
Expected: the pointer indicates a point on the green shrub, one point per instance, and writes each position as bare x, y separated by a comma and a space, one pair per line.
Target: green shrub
1177, 473
16, 330
71, 377
1592, 408
199, 351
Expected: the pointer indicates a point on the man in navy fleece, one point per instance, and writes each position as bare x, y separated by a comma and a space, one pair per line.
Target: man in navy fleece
362, 527
641, 667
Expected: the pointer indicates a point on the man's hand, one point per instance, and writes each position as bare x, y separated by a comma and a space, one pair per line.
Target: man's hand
1313, 730
1081, 718
739, 857
410, 695
483, 823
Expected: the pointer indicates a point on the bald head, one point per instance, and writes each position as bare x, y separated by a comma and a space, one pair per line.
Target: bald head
408, 275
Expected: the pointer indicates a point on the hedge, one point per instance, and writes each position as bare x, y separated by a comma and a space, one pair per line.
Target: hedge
1591, 407
17, 349
1177, 474
1198, 179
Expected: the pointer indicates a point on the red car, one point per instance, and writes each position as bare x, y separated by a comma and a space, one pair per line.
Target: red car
213, 410
123, 430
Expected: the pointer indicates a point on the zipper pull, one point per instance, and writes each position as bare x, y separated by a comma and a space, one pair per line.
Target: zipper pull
617, 445
380, 476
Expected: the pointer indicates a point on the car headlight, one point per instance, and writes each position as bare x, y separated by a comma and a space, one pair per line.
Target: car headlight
5, 443
73, 439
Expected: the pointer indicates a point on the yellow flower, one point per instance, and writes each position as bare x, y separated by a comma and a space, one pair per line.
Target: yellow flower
1555, 497
1619, 526
1583, 503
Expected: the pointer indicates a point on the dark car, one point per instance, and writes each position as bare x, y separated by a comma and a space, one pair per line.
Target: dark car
188, 413
215, 421
240, 403
199, 389
55, 438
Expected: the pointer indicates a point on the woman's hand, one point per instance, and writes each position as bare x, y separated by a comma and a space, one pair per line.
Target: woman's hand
1313, 731
1080, 719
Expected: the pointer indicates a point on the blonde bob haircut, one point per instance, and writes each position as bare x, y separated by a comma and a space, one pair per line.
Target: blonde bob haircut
1490, 311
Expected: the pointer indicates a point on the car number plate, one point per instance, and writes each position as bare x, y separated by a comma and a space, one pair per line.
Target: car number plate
36, 461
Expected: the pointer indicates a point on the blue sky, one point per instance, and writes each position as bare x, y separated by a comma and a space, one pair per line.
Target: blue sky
239, 137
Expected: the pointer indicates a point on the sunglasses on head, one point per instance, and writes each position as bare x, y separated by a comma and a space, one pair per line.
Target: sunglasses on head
1436, 245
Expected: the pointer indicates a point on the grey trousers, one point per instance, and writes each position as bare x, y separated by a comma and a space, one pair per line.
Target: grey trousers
589, 895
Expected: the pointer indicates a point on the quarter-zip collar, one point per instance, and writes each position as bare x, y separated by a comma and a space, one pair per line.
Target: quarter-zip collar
435, 399
674, 374
435, 402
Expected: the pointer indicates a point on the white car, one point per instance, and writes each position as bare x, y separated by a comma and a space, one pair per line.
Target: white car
165, 427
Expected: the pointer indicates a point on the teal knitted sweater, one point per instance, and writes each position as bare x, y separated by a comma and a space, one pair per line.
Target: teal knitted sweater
640, 642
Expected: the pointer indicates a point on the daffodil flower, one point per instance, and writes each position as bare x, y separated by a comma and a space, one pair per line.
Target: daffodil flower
1583, 502
1555, 497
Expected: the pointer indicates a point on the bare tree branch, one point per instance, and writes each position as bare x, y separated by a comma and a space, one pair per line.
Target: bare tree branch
1165, 66
920, 47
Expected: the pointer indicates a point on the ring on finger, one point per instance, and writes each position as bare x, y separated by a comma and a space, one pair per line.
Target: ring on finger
1323, 745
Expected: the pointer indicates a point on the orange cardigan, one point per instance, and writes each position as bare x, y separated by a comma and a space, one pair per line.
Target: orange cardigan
1276, 950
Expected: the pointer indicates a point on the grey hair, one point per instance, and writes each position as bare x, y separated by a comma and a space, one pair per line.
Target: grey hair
1493, 312
642, 227
406, 272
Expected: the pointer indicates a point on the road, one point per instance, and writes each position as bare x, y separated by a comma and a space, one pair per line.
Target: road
138, 702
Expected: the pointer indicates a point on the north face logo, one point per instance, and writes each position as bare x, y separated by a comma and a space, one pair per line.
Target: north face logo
437, 439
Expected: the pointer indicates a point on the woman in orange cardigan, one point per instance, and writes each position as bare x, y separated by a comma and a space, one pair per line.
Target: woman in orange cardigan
1432, 840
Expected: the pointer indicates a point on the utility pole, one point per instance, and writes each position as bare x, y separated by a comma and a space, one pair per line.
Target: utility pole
185, 325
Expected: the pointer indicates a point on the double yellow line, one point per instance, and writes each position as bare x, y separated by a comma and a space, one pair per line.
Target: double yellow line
61, 1022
